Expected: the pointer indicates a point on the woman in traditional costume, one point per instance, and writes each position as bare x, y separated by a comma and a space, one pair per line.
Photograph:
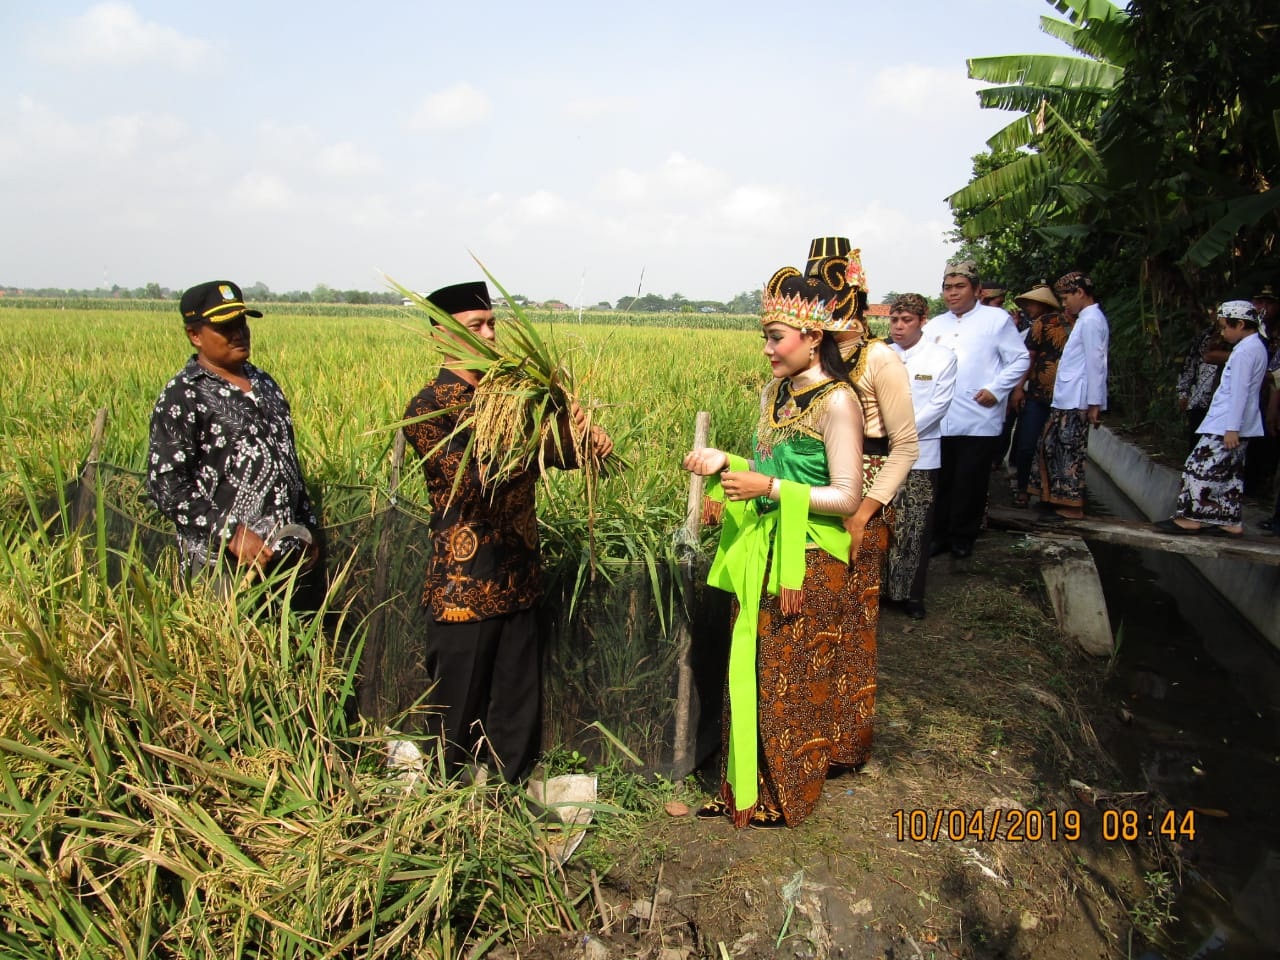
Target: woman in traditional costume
784, 554
890, 447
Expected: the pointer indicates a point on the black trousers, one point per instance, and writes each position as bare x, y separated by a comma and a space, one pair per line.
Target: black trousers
487, 700
962, 488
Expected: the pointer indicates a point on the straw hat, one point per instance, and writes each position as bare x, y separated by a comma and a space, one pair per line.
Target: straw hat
1040, 293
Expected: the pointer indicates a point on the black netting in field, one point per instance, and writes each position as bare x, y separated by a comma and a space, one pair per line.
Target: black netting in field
615, 680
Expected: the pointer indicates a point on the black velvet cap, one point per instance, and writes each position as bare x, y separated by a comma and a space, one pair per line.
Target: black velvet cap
217, 301
462, 297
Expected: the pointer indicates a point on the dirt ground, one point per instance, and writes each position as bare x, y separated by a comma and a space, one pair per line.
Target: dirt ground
984, 709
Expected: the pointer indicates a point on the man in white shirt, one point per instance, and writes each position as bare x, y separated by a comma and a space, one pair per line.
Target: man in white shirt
1079, 397
1209, 500
932, 372
991, 360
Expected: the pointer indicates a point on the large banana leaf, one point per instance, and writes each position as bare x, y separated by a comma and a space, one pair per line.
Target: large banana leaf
1237, 213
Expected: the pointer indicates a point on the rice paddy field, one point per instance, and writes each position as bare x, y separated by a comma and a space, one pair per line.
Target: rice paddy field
185, 774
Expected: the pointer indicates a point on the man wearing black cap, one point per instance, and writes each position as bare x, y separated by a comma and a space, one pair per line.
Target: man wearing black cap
222, 464
484, 576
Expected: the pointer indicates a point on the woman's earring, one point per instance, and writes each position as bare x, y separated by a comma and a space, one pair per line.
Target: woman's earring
813, 349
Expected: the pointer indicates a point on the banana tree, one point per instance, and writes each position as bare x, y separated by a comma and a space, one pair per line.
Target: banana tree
1058, 171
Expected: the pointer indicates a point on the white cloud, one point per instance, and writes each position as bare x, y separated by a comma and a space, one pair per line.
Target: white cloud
594, 108
345, 159
461, 105
541, 206
262, 191
114, 34
753, 205
922, 92
691, 177
625, 185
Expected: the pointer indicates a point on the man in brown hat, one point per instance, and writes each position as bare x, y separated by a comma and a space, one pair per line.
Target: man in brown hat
222, 464
484, 578
1031, 398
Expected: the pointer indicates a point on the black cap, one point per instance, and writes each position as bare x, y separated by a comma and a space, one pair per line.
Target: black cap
462, 297
218, 301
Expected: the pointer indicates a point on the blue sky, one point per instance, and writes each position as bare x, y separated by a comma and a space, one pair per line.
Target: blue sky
568, 145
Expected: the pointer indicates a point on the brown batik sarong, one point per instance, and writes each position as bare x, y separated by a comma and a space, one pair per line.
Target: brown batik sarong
802, 689
856, 661
1062, 454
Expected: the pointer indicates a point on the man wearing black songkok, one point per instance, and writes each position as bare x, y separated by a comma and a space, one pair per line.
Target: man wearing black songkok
483, 580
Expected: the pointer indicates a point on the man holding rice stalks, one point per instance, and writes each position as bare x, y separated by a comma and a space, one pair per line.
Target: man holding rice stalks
485, 427
222, 464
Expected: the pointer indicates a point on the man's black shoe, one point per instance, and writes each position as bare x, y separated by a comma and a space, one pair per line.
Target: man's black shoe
960, 550
938, 548
914, 609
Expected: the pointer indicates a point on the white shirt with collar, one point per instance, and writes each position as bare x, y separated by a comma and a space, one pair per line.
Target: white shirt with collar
931, 369
1235, 403
1082, 369
990, 355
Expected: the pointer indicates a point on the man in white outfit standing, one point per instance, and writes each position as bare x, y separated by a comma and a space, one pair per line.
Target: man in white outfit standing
1079, 397
991, 360
931, 369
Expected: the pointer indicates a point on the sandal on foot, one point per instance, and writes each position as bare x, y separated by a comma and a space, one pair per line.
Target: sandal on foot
712, 809
1020, 498
1167, 525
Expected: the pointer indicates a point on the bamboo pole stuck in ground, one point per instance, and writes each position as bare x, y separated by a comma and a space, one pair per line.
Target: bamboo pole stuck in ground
86, 494
682, 749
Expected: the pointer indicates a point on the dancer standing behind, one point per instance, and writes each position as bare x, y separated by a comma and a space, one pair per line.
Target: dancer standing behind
889, 448
784, 554
932, 369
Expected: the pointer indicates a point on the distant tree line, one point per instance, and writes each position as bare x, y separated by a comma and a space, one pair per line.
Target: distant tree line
745, 302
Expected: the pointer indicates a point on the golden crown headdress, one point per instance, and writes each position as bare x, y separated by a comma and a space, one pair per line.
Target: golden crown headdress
796, 310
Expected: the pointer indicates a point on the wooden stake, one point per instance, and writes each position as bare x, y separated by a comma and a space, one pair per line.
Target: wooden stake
682, 750
86, 494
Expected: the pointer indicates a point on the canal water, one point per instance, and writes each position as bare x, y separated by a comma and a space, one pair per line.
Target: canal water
1196, 692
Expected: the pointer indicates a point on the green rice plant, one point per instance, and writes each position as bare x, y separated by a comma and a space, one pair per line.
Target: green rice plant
520, 412
179, 778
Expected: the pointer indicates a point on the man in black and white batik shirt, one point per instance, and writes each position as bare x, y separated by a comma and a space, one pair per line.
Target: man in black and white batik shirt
222, 464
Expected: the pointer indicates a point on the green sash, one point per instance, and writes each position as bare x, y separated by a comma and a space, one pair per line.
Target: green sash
747, 539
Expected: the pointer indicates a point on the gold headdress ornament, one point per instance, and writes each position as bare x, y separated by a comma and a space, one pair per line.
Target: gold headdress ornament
795, 309
838, 264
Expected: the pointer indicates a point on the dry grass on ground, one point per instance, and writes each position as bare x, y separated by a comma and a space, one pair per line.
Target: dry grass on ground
983, 706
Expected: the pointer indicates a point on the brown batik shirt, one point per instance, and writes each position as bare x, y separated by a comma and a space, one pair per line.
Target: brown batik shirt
1046, 338
484, 543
